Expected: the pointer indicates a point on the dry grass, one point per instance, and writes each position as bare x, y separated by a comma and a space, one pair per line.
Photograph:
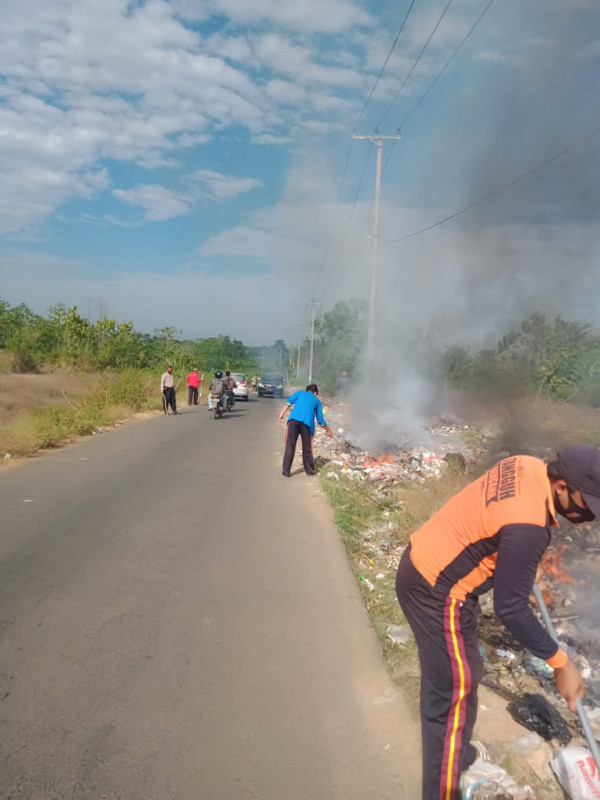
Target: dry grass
47, 410
20, 393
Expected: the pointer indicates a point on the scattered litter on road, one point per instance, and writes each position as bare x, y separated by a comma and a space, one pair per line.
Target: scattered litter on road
535, 713
332, 474
399, 634
367, 583
7, 456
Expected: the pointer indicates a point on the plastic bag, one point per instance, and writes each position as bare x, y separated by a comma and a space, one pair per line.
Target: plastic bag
485, 781
535, 713
577, 773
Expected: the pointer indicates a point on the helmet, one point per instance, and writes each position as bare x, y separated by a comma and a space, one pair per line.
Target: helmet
218, 374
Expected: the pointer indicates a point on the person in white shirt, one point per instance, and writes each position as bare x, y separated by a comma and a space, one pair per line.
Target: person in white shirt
167, 389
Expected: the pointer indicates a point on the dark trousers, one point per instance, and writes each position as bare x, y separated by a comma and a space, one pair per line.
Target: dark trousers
445, 630
169, 395
294, 429
192, 395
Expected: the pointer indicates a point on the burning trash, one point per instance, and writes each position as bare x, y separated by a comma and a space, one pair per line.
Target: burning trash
536, 714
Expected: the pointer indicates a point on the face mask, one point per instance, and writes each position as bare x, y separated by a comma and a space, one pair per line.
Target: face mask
574, 512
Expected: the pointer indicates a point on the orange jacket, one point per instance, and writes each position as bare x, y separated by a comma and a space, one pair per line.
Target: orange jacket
494, 533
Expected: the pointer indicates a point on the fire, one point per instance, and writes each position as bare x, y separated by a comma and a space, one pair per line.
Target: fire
551, 565
371, 461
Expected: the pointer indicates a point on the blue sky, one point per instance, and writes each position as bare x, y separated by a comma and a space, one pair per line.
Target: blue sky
180, 162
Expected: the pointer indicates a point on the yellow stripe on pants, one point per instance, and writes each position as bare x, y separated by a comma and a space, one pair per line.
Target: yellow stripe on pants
461, 697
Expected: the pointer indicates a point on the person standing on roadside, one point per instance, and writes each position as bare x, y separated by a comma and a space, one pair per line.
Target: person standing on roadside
193, 382
254, 384
306, 407
491, 534
167, 388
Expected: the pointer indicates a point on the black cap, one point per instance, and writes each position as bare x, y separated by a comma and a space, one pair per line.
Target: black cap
580, 466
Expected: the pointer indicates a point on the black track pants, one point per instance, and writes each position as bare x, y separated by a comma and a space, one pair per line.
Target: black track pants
445, 630
169, 393
192, 395
294, 429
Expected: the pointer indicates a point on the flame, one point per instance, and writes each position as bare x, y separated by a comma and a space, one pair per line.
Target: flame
551, 565
371, 461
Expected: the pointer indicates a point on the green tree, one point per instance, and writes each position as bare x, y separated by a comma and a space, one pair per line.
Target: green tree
339, 338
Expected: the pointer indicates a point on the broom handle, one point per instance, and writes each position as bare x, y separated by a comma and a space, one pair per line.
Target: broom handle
581, 712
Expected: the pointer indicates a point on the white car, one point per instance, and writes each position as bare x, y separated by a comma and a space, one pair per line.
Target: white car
241, 390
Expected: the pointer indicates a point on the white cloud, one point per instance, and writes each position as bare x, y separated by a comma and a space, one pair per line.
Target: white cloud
224, 187
332, 16
40, 281
158, 202
491, 57
451, 29
284, 56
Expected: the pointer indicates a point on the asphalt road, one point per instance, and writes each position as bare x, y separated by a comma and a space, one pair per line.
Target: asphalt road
179, 622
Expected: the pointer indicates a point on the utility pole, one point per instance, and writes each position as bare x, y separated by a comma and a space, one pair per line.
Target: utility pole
312, 341
298, 356
377, 140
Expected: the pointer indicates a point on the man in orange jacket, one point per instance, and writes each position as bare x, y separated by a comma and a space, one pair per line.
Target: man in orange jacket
491, 534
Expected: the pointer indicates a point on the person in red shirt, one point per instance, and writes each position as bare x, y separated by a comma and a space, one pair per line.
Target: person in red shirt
193, 382
491, 534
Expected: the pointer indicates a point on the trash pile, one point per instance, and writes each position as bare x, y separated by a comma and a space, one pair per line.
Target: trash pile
396, 464
570, 571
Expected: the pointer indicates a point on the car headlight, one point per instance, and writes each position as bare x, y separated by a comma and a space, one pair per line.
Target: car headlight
280, 386
262, 386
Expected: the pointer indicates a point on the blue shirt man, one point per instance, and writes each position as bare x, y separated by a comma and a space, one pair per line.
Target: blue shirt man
306, 407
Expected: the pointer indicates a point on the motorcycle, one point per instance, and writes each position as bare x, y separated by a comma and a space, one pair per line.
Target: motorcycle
218, 404
230, 402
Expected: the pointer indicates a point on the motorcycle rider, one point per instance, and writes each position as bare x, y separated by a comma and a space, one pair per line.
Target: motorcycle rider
216, 387
229, 385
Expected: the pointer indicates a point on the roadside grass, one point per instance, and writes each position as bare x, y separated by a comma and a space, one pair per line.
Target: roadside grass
375, 527
6, 360
58, 416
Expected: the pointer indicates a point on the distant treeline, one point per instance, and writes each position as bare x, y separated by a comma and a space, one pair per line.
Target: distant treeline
66, 338
553, 357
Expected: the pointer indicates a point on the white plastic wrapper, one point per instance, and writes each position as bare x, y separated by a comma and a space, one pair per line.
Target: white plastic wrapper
577, 773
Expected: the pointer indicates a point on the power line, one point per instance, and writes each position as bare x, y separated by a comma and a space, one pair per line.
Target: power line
335, 213
341, 249
433, 83
498, 191
447, 64
385, 63
416, 61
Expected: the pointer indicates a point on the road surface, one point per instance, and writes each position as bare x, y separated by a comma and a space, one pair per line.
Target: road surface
179, 622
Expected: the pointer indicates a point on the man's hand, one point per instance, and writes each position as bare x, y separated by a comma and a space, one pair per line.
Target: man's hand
329, 431
569, 683
282, 415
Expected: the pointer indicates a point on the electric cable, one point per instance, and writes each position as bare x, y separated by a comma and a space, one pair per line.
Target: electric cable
432, 84
342, 248
430, 87
335, 213
447, 64
385, 63
416, 61
498, 191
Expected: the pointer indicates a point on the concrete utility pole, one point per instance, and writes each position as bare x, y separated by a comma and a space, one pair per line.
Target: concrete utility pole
298, 356
312, 340
377, 140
